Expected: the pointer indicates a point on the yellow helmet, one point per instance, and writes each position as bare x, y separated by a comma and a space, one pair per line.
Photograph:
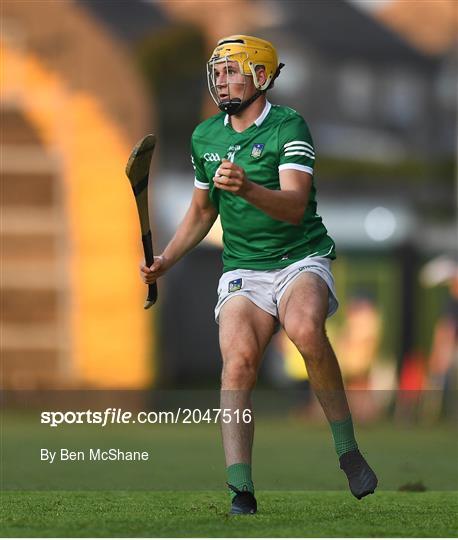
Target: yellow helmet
249, 52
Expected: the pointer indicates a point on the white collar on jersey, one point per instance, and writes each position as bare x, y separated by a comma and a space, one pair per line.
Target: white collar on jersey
259, 120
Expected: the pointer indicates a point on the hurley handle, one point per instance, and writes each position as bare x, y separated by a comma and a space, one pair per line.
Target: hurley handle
147, 242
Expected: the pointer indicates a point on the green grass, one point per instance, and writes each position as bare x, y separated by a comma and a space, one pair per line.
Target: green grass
187, 514
288, 455
180, 490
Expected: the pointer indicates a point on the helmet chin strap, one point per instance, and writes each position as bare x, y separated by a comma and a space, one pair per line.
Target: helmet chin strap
236, 105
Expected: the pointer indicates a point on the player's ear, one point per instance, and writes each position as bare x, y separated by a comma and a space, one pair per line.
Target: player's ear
261, 75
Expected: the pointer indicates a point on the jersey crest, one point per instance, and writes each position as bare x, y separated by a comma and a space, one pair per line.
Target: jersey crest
256, 151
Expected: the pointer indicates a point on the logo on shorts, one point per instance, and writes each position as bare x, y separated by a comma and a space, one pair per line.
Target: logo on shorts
256, 151
309, 266
235, 285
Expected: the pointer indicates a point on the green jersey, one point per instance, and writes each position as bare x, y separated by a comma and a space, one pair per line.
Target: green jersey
279, 139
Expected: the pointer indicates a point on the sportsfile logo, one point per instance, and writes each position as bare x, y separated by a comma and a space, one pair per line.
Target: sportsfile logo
114, 415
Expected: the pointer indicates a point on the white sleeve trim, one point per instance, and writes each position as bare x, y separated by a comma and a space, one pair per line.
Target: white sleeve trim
299, 154
201, 185
296, 167
298, 143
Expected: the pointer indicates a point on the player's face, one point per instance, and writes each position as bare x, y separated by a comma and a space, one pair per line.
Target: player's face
230, 83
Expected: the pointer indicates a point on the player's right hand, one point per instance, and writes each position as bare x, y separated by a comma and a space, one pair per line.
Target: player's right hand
150, 274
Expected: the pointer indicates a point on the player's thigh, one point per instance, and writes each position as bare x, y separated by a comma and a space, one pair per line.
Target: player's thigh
244, 329
304, 305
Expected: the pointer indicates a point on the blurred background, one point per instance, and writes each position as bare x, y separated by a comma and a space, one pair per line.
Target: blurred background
83, 80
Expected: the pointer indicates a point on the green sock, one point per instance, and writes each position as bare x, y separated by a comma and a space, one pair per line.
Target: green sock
239, 476
344, 436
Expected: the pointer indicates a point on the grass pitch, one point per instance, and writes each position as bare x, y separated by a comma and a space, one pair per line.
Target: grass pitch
180, 491
194, 514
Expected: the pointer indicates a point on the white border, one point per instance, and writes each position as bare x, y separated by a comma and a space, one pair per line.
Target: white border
201, 185
296, 167
260, 119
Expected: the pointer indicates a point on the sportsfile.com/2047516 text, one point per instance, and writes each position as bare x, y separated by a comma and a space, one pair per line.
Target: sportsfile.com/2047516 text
112, 416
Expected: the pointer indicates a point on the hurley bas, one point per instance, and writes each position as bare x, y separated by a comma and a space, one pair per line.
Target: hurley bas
94, 454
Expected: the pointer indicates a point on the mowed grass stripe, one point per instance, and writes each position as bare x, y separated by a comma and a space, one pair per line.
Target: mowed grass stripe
204, 513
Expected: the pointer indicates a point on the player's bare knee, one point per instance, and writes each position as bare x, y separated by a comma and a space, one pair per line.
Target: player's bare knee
240, 368
308, 336
239, 371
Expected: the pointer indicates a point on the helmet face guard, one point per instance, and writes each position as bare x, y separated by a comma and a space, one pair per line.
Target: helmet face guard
248, 53
230, 77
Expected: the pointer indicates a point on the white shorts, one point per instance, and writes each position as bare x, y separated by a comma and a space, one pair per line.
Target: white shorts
266, 287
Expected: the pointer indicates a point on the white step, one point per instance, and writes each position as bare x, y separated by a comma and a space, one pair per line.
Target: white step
27, 159
33, 221
32, 275
39, 337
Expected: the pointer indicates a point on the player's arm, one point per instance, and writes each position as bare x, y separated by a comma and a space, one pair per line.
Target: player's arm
194, 227
287, 204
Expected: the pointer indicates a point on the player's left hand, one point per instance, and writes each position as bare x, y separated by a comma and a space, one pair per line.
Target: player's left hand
231, 177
